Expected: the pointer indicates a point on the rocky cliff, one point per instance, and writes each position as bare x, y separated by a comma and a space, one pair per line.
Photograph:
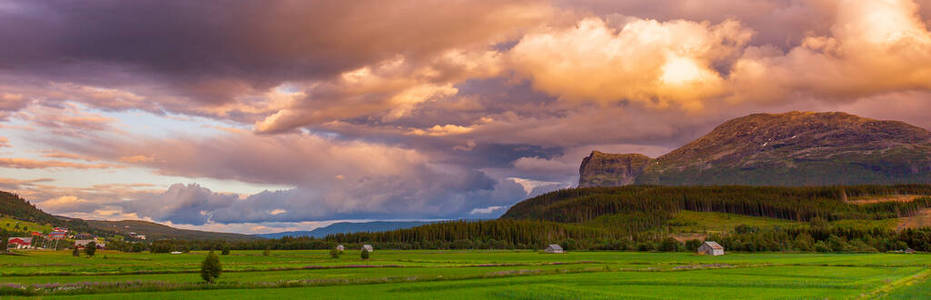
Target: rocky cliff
603, 169
796, 148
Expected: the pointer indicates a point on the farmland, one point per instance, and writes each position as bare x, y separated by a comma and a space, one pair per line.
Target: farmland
466, 274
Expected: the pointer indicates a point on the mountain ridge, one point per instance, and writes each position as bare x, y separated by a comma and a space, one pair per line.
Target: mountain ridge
788, 149
347, 227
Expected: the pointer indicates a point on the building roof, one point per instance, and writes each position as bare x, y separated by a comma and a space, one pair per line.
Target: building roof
25, 240
713, 245
554, 247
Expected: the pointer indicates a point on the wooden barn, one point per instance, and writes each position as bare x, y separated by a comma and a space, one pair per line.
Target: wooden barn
710, 248
554, 248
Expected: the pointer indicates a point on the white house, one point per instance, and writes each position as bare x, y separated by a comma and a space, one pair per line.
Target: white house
710, 248
340, 248
368, 248
19, 242
554, 248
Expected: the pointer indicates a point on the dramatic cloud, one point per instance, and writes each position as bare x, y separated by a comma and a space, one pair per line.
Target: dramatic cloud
874, 47
656, 63
409, 109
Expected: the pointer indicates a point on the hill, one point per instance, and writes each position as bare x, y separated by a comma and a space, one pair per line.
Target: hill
154, 231
790, 149
16, 208
345, 227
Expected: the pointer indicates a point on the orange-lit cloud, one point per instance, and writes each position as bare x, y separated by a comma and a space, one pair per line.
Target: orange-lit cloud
24, 163
659, 64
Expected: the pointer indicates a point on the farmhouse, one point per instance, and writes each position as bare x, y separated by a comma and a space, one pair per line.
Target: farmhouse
710, 248
368, 248
554, 248
340, 248
19, 242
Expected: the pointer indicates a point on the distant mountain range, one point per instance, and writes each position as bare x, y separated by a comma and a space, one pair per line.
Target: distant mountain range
346, 227
790, 149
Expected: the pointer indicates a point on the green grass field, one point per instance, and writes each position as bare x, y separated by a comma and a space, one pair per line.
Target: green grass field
427, 274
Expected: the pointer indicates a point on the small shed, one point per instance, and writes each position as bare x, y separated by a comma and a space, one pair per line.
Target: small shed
19, 242
554, 248
710, 248
368, 248
340, 248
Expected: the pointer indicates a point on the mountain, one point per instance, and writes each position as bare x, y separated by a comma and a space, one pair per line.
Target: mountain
154, 231
790, 149
18, 208
346, 227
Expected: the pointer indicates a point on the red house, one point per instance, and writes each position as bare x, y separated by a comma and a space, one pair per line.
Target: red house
19, 242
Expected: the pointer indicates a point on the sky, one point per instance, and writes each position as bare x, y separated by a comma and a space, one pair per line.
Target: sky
268, 116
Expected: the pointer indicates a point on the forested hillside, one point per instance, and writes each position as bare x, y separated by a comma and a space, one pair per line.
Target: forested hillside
647, 217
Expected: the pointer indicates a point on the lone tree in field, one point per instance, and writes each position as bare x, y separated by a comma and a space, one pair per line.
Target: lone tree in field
365, 254
90, 249
334, 253
76, 252
226, 249
210, 269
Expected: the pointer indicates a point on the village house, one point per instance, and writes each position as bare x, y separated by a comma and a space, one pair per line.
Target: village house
710, 248
57, 235
19, 242
368, 248
554, 248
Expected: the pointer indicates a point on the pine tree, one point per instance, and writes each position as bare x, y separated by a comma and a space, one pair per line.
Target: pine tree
210, 269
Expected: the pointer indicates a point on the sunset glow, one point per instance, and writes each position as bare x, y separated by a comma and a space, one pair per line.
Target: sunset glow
269, 116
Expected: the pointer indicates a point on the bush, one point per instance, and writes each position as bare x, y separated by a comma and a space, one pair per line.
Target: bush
210, 269
692, 245
365, 254
226, 250
90, 249
669, 245
820, 246
334, 253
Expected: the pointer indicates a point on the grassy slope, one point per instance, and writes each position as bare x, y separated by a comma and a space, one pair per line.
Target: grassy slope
472, 275
4, 221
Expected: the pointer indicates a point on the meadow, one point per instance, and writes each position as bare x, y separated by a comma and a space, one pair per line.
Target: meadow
467, 274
